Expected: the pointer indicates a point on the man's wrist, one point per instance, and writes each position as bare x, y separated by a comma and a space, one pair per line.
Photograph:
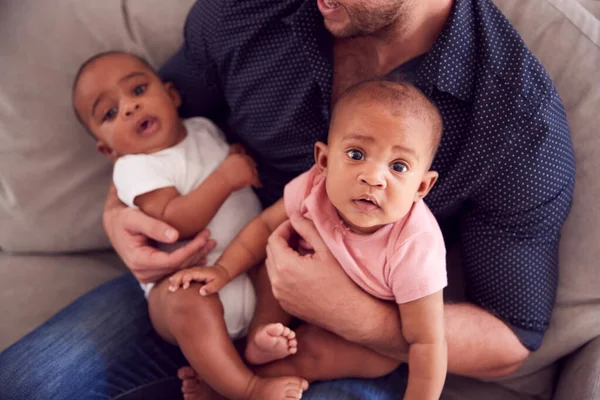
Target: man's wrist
380, 331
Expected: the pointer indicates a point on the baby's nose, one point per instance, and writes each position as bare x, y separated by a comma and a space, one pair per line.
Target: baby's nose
373, 176
131, 108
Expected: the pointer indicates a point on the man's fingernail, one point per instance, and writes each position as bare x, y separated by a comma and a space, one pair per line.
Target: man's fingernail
203, 292
170, 233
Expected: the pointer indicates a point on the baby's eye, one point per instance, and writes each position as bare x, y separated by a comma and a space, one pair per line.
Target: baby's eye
110, 114
355, 155
139, 89
399, 167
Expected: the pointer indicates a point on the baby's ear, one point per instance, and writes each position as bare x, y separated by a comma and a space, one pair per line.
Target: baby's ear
173, 94
321, 155
106, 150
427, 183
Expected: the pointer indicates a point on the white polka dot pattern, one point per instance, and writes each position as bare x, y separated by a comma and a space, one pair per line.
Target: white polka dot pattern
262, 70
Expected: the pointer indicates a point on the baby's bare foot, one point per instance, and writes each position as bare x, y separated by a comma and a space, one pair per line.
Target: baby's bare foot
271, 342
284, 388
193, 388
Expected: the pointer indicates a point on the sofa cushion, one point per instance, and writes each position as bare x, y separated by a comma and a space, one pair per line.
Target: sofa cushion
565, 36
33, 288
52, 180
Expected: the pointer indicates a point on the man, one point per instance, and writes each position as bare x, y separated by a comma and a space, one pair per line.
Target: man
268, 72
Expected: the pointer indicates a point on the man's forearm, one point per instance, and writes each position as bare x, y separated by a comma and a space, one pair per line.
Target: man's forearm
366, 320
112, 199
479, 344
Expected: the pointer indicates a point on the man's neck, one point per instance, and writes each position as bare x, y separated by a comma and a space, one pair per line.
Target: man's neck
414, 33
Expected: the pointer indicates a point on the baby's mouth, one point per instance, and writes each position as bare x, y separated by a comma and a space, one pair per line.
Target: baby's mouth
366, 203
147, 126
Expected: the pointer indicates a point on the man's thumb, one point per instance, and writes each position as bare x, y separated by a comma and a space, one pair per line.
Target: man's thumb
307, 230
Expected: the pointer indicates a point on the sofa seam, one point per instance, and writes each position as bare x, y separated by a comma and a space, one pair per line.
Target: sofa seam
559, 9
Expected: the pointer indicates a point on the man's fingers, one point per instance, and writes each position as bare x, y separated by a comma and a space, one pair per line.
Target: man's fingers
278, 247
186, 373
148, 257
285, 231
307, 230
199, 258
138, 222
237, 148
207, 248
194, 248
150, 264
256, 182
152, 275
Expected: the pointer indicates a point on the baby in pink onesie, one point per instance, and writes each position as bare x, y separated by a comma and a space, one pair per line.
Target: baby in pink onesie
364, 195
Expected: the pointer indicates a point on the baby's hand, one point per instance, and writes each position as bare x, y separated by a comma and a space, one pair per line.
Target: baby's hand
214, 278
240, 169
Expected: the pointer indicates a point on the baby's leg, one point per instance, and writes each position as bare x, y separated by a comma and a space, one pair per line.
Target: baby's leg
324, 355
196, 324
269, 337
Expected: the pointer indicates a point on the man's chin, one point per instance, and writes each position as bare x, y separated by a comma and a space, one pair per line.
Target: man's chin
337, 29
343, 31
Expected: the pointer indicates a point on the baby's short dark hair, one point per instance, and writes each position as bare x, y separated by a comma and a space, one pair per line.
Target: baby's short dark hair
90, 61
398, 96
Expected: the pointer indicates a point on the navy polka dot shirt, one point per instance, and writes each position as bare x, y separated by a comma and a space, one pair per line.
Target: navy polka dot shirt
262, 69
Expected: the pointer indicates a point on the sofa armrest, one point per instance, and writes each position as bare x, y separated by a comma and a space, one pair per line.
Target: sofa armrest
580, 374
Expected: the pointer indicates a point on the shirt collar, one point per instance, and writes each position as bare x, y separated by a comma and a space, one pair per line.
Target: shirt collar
317, 44
449, 65
451, 62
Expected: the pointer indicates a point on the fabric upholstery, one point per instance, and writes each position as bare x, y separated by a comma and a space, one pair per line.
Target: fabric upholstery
565, 36
53, 183
33, 288
52, 180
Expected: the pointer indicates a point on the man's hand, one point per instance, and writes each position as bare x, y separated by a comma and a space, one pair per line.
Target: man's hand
214, 278
310, 286
239, 169
129, 231
315, 288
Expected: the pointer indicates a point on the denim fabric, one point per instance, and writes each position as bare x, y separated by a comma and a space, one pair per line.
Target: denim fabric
103, 346
99, 347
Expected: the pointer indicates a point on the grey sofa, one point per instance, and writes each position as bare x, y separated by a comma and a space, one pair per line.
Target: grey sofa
52, 182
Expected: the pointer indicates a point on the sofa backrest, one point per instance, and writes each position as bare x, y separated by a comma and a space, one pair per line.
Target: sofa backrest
52, 180
565, 36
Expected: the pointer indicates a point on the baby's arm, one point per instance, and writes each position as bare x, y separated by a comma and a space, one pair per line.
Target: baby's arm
423, 328
191, 213
245, 251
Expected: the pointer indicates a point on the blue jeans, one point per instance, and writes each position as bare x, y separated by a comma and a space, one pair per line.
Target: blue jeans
103, 346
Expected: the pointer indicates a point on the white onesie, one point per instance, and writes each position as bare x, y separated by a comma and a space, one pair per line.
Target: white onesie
185, 166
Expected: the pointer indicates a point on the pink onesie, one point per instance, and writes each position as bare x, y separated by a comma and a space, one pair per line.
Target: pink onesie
403, 261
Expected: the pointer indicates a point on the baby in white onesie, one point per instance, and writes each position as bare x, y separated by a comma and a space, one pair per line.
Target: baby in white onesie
185, 174
185, 166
